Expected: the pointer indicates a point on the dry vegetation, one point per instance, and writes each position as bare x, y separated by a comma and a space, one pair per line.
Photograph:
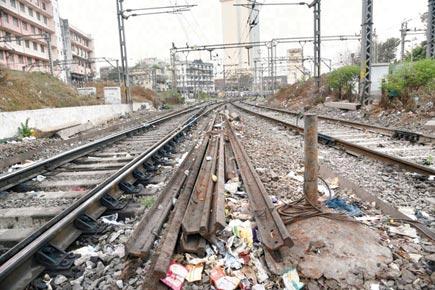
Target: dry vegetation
35, 90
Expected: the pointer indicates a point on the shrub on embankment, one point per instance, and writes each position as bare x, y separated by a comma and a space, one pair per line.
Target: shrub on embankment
411, 82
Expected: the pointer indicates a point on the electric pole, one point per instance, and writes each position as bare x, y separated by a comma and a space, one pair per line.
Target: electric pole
123, 46
403, 30
366, 51
317, 43
430, 51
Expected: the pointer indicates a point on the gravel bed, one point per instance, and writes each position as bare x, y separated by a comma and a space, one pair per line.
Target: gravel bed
277, 155
409, 121
103, 263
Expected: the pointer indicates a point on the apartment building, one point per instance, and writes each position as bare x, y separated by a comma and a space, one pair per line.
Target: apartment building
195, 76
28, 28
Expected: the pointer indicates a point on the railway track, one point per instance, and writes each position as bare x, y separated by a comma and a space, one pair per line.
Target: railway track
198, 217
74, 188
410, 151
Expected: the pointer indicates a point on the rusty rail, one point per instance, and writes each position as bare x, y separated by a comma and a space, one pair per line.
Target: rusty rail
273, 233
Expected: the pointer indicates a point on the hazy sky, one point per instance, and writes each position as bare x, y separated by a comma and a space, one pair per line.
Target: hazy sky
151, 36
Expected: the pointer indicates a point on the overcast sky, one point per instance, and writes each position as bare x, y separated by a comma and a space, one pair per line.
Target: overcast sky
151, 36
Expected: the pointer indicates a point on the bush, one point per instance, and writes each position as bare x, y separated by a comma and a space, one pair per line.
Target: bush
409, 79
24, 130
343, 79
172, 97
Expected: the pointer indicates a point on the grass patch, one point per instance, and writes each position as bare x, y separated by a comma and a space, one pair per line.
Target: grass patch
147, 201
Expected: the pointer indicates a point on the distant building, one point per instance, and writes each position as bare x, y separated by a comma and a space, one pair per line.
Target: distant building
295, 67
27, 27
151, 74
195, 76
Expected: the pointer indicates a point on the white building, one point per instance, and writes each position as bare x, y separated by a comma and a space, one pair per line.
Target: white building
195, 76
240, 25
295, 68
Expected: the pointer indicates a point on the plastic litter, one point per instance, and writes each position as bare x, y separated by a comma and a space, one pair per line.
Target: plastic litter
221, 281
261, 272
341, 206
404, 230
40, 178
258, 287
232, 186
195, 272
175, 276
242, 230
111, 219
232, 262
408, 211
291, 280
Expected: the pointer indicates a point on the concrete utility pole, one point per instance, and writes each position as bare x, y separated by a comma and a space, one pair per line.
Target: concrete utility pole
366, 50
50, 57
311, 166
123, 46
430, 51
403, 30
174, 70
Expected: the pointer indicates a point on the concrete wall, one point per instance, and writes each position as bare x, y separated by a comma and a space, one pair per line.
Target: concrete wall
57, 118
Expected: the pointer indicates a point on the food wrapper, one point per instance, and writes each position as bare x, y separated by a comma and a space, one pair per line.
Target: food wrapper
291, 280
195, 272
175, 276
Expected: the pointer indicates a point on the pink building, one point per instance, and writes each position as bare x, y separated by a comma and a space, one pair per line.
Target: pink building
27, 27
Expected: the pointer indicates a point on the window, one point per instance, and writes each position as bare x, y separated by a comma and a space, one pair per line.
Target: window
8, 36
44, 6
20, 59
24, 24
15, 21
42, 48
29, 60
14, 3
18, 38
22, 7
45, 20
38, 16
35, 46
1, 55
33, 29
31, 12
5, 17
27, 43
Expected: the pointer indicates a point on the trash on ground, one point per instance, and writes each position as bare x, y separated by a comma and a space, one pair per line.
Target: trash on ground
404, 230
175, 276
232, 186
341, 206
291, 280
195, 272
111, 220
39, 178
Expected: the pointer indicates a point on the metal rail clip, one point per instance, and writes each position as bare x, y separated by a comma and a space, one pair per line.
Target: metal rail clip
326, 140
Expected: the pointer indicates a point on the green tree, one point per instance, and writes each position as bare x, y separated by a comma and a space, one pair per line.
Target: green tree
343, 79
387, 50
417, 53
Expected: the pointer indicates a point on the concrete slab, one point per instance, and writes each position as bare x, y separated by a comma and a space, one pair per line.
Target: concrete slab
65, 134
26, 217
98, 166
344, 106
11, 237
62, 184
430, 125
92, 159
337, 250
88, 174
